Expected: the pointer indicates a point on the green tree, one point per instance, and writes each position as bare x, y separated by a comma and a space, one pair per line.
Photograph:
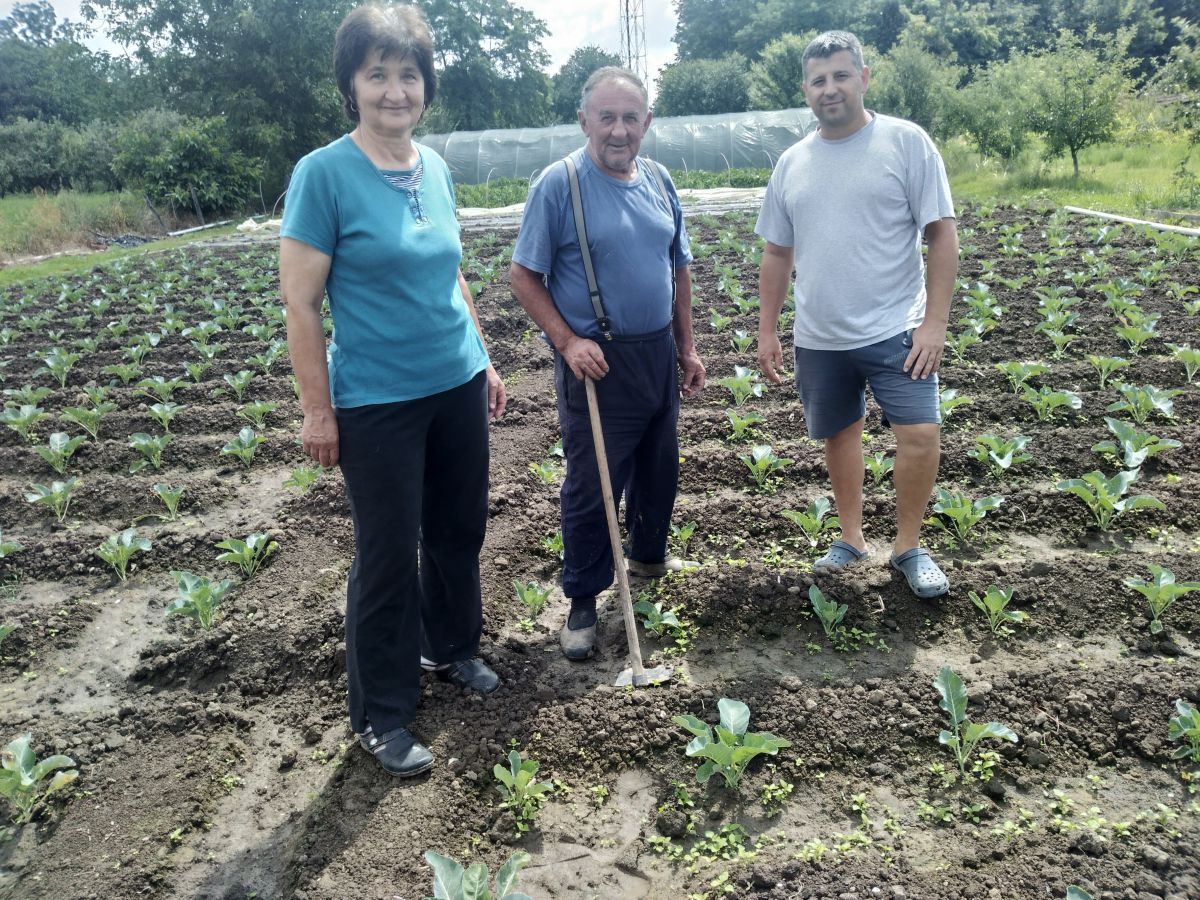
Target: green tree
777, 77
914, 84
703, 87
1179, 78
568, 83
993, 110
1076, 94
705, 29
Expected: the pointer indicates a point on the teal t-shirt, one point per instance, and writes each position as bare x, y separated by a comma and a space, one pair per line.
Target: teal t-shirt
401, 329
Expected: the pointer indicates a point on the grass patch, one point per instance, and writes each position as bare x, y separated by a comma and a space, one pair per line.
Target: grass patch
37, 223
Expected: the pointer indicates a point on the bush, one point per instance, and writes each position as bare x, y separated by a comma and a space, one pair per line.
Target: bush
87, 157
30, 156
695, 87
993, 110
777, 78
914, 84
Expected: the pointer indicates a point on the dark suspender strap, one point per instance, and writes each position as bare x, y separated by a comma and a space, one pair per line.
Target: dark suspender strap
581, 232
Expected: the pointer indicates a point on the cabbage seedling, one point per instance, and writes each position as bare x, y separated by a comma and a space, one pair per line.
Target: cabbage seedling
719, 322
60, 450
58, 363
164, 413
57, 496
302, 478
1185, 727
762, 462
522, 795
23, 419
532, 596
28, 395
1106, 497
812, 521
240, 382
88, 418
1018, 373
829, 612
198, 597
960, 513
655, 619
1189, 356
126, 372
119, 548
23, 777
966, 734
170, 499
743, 384
151, 447
1046, 400
158, 388
1132, 447
994, 604
682, 534
545, 471
1141, 401
452, 882
741, 340
8, 548
257, 412
728, 748
1160, 592
949, 401
740, 427
1105, 366
244, 446
248, 554
196, 370
879, 465
999, 454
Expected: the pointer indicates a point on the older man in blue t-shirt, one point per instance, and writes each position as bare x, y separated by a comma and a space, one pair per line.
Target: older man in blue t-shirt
640, 253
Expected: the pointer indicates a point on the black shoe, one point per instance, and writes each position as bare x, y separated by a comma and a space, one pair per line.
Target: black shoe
471, 674
397, 751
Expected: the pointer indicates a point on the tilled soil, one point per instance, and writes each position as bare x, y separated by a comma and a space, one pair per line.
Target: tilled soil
219, 763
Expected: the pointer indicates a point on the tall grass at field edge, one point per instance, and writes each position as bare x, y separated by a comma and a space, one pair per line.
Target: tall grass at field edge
38, 223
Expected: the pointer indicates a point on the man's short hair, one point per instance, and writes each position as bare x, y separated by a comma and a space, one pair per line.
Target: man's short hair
612, 73
826, 45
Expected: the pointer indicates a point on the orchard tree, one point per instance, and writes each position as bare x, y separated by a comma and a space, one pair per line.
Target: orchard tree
914, 84
993, 110
568, 83
777, 77
694, 87
1076, 94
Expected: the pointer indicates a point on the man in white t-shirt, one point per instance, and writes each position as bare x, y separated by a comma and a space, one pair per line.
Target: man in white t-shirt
848, 206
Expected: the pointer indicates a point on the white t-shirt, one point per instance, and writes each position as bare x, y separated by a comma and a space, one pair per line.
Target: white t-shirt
854, 211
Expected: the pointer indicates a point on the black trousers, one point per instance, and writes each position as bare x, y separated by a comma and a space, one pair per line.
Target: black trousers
417, 478
639, 413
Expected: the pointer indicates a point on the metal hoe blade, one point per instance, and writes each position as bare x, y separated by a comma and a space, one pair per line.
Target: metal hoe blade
657, 675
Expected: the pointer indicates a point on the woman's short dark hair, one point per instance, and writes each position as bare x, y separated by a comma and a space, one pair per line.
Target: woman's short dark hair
397, 31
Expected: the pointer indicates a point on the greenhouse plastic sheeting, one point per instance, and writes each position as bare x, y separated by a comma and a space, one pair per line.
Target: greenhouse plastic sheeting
706, 143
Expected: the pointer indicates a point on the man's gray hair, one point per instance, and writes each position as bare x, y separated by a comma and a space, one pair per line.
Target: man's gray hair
613, 73
826, 45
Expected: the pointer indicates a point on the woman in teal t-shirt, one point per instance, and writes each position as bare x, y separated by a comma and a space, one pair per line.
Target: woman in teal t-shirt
402, 396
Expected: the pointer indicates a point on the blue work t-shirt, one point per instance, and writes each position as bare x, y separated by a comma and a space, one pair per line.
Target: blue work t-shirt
401, 327
637, 241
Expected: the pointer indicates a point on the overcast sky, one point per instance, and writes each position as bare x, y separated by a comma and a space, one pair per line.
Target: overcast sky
571, 23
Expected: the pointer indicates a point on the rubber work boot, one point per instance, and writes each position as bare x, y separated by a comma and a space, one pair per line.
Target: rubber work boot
578, 636
654, 569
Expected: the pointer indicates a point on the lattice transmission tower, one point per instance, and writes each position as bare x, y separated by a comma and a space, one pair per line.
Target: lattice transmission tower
633, 36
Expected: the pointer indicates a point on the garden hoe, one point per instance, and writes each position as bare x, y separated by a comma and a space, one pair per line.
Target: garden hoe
636, 674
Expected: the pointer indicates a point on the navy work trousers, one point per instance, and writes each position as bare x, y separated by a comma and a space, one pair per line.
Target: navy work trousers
417, 478
639, 414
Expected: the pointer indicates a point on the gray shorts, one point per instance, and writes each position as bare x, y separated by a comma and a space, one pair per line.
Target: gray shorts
832, 386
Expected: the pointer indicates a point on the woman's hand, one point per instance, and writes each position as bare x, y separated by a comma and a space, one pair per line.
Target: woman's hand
319, 436
497, 395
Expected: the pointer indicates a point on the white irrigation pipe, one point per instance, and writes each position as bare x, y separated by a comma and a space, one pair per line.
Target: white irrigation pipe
1178, 229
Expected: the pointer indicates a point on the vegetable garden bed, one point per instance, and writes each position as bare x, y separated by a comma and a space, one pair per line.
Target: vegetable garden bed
218, 763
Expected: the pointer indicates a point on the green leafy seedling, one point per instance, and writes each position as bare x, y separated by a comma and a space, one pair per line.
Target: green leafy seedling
257, 412
249, 554
762, 463
522, 795
741, 340
949, 401
812, 520
58, 452
1000, 454
88, 417
118, 549
23, 777
829, 612
682, 534
994, 604
302, 478
1142, 401
244, 446
239, 382
1106, 497
56, 495
8, 548
1106, 366
164, 414
170, 497
959, 513
151, 446
1018, 372
546, 471
1161, 592
728, 748
158, 388
23, 419
452, 882
1046, 401
964, 735
198, 597
742, 427
719, 322
58, 363
743, 384
1189, 356
1185, 728
532, 596
655, 619
1132, 447
880, 465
